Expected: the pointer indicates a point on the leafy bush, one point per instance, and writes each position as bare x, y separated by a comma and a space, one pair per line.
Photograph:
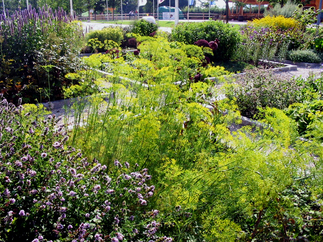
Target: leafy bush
109, 33
259, 89
307, 115
143, 28
228, 36
193, 51
157, 61
215, 71
201, 9
84, 83
277, 22
305, 16
303, 56
318, 42
97, 39
49, 191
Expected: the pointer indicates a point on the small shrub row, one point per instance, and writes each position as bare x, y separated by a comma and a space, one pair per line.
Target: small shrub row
96, 40
144, 28
303, 56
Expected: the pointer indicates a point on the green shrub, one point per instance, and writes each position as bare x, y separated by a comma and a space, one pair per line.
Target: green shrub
307, 115
49, 191
143, 28
111, 33
303, 56
305, 16
318, 43
227, 35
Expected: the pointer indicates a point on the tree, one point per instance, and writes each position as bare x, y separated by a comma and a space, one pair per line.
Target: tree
13, 5
54, 4
283, 2
181, 4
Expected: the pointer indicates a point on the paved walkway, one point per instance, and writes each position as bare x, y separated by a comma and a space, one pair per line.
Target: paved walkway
90, 26
304, 70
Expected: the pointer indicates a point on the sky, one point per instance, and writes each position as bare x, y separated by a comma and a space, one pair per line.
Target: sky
220, 3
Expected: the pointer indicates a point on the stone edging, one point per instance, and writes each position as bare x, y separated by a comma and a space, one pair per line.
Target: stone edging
303, 64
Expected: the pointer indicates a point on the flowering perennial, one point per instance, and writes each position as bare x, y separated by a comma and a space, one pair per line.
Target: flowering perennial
63, 196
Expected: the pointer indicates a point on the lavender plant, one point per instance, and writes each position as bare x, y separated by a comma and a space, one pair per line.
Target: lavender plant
32, 39
50, 192
259, 89
264, 43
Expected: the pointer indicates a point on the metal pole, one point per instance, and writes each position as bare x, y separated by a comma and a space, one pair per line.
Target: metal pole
176, 12
209, 8
319, 15
153, 8
121, 11
27, 4
188, 9
107, 9
4, 8
157, 10
71, 5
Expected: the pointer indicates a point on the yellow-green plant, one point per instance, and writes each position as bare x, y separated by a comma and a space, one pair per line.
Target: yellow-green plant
85, 82
277, 22
95, 44
213, 183
110, 33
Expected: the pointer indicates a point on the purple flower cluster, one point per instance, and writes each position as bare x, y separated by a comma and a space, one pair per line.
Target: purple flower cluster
114, 53
271, 36
132, 42
42, 18
212, 44
202, 43
62, 187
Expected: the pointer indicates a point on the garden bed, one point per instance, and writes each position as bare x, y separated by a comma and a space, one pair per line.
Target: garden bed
156, 152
